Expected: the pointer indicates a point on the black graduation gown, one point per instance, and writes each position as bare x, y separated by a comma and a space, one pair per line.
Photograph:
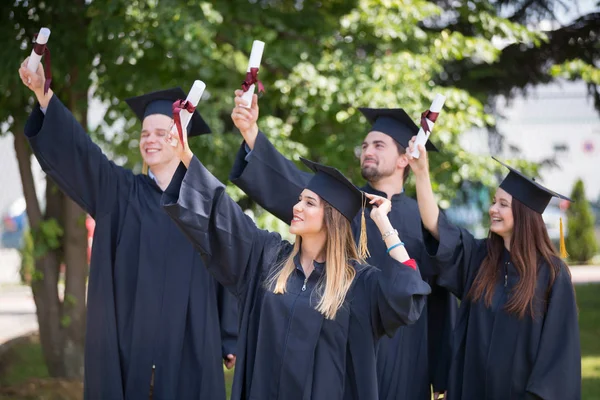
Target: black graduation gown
286, 349
150, 300
417, 356
498, 356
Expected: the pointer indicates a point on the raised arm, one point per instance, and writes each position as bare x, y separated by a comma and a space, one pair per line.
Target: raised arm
455, 252
262, 172
67, 153
232, 247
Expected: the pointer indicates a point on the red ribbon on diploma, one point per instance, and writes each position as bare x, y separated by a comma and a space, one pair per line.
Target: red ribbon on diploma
42, 50
428, 115
178, 106
252, 78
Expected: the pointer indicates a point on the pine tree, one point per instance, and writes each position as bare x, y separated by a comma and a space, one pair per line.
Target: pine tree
581, 240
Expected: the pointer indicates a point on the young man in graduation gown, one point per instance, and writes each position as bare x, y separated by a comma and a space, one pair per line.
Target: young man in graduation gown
158, 324
417, 357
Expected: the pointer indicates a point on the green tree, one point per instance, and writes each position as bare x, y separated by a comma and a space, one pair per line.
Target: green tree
581, 239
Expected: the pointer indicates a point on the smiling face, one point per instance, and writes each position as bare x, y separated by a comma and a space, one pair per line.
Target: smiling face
155, 151
379, 157
308, 215
501, 214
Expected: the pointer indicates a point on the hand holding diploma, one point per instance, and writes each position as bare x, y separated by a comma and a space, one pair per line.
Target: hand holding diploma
182, 114
40, 49
428, 119
252, 73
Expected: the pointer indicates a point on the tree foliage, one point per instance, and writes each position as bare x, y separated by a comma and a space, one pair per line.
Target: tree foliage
581, 240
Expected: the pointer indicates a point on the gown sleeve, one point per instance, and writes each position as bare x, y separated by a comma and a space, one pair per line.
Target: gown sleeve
556, 372
396, 295
217, 227
228, 318
455, 255
74, 162
268, 178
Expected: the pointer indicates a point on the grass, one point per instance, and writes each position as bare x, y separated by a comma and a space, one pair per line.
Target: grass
23, 375
588, 299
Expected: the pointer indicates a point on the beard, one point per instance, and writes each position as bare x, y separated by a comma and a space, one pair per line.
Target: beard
373, 173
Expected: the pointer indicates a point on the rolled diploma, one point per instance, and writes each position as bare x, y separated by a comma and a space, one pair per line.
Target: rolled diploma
422, 137
193, 97
34, 58
255, 57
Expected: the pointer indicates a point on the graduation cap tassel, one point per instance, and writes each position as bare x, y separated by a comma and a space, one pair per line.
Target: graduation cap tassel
144, 168
563, 248
363, 251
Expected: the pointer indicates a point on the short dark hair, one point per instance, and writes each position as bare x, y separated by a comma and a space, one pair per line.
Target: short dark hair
402, 150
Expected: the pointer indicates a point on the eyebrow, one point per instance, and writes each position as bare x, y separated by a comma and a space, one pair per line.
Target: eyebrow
157, 130
374, 142
310, 197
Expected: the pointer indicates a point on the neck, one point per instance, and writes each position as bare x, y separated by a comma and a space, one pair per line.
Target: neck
389, 185
163, 173
312, 249
506, 242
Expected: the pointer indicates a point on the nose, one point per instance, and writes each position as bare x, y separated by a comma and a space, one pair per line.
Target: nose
493, 209
298, 207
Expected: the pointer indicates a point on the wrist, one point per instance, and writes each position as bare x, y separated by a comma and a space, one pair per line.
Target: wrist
186, 157
43, 99
251, 132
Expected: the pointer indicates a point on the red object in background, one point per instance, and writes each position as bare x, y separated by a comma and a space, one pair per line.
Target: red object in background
564, 205
90, 224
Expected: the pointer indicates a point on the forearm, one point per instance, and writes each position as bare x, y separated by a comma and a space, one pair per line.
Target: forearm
427, 206
392, 241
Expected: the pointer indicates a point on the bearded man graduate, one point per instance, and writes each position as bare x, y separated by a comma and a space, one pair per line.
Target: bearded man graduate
158, 324
417, 358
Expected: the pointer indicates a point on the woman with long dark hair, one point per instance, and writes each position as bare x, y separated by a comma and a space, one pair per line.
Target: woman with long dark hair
310, 312
517, 335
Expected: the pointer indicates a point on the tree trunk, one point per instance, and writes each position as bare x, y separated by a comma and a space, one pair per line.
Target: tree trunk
44, 284
76, 272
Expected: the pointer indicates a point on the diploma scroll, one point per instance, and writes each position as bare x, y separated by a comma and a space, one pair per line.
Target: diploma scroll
39, 50
428, 119
251, 74
183, 109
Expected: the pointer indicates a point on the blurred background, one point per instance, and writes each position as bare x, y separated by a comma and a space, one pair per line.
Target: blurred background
520, 76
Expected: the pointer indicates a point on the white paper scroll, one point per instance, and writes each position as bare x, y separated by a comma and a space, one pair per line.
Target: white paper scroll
193, 97
423, 136
255, 58
34, 58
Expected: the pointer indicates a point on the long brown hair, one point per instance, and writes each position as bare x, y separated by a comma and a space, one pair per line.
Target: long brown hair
340, 249
529, 247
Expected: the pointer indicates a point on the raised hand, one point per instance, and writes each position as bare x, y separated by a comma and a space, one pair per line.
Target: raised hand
35, 82
245, 118
419, 165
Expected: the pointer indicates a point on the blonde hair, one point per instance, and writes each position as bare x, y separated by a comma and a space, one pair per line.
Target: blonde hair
340, 249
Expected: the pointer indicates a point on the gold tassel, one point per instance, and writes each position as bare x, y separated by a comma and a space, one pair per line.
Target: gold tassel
145, 168
563, 248
363, 251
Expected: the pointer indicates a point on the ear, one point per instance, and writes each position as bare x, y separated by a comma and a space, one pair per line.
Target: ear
402, 161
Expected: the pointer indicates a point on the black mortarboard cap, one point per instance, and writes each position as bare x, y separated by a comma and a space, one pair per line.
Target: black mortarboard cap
527, 191
161, 102
333, 187
395, 123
